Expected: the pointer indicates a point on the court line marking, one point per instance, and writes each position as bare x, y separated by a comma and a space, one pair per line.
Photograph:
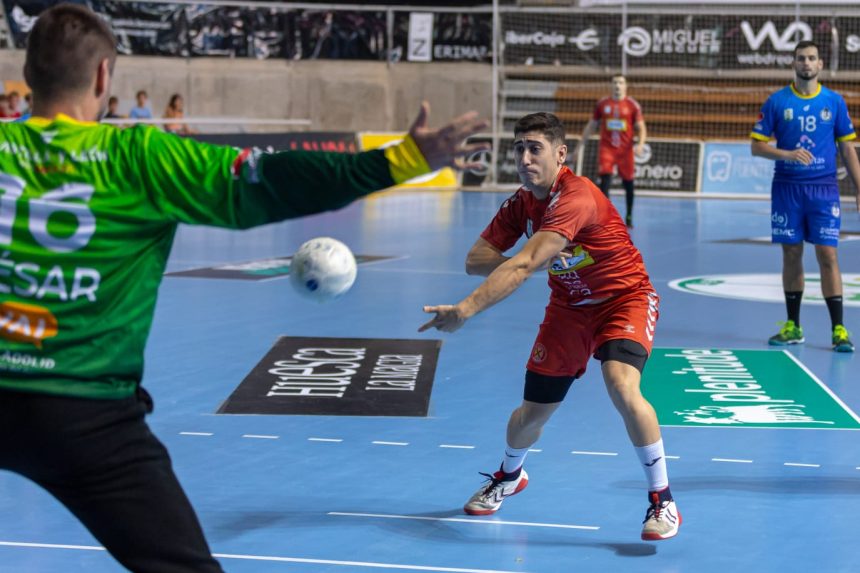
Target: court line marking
455, 447
196, 434
337, 440
795, 465
536, 451
823, 386
731, 460
581, 453
673, 457
381, 443
260, 436
464, 520
279, 559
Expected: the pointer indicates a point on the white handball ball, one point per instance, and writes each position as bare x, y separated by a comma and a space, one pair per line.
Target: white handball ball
323, 269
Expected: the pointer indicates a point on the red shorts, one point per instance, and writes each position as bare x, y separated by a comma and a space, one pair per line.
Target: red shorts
608, 157
569, 336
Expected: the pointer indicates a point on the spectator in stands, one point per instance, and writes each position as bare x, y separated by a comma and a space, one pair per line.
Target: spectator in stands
28, 102
14, 104
4, 106
175, 110
141, 110
113, 106
618, 117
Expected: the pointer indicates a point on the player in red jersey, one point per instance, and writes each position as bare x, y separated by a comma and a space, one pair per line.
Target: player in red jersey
602, 303
617, 117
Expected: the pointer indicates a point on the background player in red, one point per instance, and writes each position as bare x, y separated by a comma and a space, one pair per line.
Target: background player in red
617, 116
602, 303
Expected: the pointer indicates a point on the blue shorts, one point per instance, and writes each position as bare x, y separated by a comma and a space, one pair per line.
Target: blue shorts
805, 212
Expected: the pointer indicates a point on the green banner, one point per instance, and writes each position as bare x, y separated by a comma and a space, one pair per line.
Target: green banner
740, 388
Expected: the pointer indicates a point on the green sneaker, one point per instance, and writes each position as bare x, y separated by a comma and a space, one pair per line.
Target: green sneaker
628, 220
789, 334
841, 342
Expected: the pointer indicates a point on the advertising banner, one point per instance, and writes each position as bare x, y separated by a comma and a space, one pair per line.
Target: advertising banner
731, 168
464, 37
304, 141
740, 389
339, 377
664, 166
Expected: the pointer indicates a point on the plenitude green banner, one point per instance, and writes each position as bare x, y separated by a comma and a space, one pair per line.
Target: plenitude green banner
740, 388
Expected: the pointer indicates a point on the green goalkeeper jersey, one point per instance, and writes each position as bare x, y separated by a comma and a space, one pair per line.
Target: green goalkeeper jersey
88, 213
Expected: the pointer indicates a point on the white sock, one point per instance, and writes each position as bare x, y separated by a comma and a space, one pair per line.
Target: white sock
654, 463
514, 459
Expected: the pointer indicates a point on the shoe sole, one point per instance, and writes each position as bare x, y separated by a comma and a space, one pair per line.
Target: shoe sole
658, 537
789, 343
843, 349
520, 487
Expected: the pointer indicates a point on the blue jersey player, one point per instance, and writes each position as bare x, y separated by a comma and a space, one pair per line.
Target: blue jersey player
809, 123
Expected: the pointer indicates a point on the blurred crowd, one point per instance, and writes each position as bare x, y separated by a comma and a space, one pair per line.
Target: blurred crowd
174, 110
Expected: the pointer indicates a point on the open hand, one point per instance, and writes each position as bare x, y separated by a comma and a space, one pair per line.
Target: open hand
446, 146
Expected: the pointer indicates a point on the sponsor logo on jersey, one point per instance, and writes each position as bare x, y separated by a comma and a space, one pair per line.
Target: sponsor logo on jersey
616, 124
538, 353
806, 107
21, 322
835, 210
788, 114
826, 114
607, 110
579, 258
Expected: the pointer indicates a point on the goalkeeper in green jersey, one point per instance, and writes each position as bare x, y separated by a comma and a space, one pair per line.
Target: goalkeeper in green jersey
87, 217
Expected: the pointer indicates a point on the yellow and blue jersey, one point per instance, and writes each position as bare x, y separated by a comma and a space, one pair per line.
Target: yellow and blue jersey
815, 122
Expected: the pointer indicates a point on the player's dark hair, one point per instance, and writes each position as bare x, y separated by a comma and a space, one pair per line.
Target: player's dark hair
546, 123
64, 50
622, 76
806, 44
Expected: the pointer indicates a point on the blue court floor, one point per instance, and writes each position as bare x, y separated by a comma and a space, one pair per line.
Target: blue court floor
360, 494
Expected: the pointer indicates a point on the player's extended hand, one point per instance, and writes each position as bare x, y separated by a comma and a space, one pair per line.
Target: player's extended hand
639, 149
561, 258
448, 318
801, 155
446, 146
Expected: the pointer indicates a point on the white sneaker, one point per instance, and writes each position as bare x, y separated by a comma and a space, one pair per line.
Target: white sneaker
662, 519
488, 499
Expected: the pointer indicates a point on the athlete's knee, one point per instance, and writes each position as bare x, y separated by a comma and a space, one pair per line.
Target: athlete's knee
827, 256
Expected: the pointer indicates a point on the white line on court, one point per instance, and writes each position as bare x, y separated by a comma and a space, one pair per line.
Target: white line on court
196, 434
581, 453
535, 451
336, 440
731, 461
381, 443
464, 520
794, 465
673, 457
455, 447
260, 437
823, 386
279, 559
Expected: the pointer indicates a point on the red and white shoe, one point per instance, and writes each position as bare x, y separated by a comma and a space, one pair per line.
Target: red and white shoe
662, 520
488, 499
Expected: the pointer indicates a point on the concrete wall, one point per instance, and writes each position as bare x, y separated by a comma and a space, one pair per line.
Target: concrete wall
334, 95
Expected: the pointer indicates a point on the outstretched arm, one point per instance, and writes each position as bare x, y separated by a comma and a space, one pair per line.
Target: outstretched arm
193, 182
483, 258
503, 281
